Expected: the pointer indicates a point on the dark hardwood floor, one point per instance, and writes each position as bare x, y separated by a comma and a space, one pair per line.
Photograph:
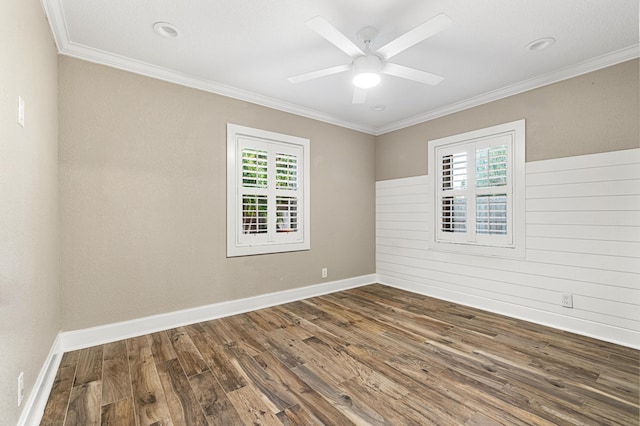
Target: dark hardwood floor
372, 355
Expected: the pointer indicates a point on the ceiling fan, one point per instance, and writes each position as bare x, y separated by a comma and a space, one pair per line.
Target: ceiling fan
368, 65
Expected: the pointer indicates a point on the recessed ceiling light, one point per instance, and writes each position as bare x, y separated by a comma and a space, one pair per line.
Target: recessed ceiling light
378, 108
540, 44
166, 30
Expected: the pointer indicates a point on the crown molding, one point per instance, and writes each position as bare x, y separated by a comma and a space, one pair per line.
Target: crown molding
142, 68
55, 15
565, 73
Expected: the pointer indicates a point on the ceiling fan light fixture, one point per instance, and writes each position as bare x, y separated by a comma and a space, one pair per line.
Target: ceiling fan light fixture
366, 71
366, 80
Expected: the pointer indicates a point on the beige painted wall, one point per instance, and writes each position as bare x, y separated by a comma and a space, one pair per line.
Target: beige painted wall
592, 113
28, 200
142, 199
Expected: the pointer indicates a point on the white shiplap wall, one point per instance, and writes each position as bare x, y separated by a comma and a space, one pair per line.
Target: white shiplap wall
582, 238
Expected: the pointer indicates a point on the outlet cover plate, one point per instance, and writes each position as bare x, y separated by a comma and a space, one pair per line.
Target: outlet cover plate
567, 300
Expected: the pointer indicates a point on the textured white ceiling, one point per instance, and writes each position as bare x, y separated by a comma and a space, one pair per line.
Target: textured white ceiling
246, 49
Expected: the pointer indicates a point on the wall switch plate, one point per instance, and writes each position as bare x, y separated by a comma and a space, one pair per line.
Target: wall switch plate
20, 111
567, 300
20, 388
324, 273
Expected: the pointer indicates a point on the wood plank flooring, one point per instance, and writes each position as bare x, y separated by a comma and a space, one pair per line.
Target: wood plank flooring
371, 355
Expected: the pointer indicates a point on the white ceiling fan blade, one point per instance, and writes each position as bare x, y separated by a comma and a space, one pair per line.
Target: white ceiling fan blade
329, 32
411, 74
415, 36
359, 95
319, 73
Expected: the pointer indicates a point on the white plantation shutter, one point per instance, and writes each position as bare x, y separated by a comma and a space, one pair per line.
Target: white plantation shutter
491, 214
286, 171
492, 184
474, 191
491, 165
267, 192
454, 214
253, 192
286, 192
494, 190
454, 178
477, 181
287, 214
454, 171
254, 168
254, 214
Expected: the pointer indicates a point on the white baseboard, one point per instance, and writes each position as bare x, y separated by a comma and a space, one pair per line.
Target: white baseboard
37, 400
598, 331
84, 338
78, 339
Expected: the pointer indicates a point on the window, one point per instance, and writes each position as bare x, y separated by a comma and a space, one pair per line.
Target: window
477, 181
267, 192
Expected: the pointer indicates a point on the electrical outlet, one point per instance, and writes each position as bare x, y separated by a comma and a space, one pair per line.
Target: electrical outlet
567, 300
20, 388
325, 273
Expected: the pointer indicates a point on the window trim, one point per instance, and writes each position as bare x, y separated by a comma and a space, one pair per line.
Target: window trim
238, 136
482, 247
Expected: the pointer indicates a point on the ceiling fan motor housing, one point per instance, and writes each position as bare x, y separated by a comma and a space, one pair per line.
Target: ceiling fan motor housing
366, 71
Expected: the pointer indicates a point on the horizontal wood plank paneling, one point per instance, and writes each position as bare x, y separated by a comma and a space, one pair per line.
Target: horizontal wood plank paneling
562, 271
403, 199
404, 234
404, 225
579, 204
604, 218
613, 158
583, 232
575, 245
521, 278
403, 208
582, 238
401, 217
589, 189
585, 260
585, 175
402, 243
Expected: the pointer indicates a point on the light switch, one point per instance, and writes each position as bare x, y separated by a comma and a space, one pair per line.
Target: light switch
20, 111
